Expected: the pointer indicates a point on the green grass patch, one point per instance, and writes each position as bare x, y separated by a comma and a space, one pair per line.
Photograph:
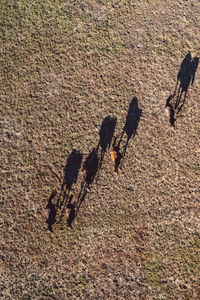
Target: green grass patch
178, 261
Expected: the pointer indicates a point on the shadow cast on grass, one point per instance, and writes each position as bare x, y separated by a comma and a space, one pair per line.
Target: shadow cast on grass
71, 171
52, 211
93, 164
185, 78
106, 133
90, 167
129, 130
64, 199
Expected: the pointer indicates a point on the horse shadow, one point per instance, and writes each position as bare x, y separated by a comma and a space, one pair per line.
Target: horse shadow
131, 124
129, 130
185, 78
71, 172
52, 211
64, 198
106, 133
92, 165
90, 168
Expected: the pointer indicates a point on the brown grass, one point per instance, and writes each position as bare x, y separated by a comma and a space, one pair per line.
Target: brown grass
65, 66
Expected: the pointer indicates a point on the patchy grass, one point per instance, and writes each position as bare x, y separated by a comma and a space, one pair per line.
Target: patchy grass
65, 67
170, 269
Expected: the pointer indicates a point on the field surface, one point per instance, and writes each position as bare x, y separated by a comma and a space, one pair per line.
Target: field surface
79, 79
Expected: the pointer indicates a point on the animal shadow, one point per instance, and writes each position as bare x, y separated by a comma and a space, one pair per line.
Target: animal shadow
71, 172
185, 77
93, 164
106, 134
52, 211
90, 167
129, 129
132, 121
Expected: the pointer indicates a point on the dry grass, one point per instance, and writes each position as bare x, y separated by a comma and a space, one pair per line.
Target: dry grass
65, 66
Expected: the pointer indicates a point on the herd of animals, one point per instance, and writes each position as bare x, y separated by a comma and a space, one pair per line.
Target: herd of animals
68, 208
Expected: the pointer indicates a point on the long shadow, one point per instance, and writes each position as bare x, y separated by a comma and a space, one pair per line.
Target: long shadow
91, 166
52, 211
72, 212
106, 133
130, 128
185, 78
71, 171
131, 125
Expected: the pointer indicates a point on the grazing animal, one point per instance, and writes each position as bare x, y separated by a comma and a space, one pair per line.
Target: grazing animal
167, 111
170, 112
116, 156
113, 154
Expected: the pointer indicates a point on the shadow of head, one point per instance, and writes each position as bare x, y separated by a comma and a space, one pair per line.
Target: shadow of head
106, 132
91, 166
187, 58
133, 118
72, 168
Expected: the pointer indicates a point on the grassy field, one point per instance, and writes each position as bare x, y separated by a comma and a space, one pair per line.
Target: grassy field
67, 68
